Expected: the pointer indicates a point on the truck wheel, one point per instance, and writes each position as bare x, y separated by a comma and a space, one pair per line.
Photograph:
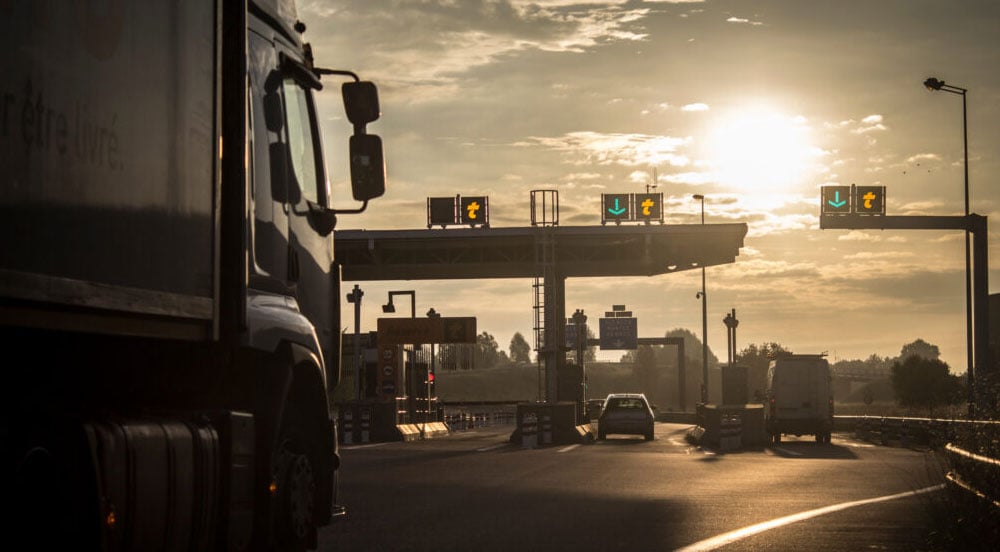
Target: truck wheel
294, 493
51, 497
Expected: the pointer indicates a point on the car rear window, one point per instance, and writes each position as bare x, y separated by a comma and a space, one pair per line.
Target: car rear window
629, 403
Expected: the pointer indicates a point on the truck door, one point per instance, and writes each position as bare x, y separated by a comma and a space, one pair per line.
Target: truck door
310, 246
268, 197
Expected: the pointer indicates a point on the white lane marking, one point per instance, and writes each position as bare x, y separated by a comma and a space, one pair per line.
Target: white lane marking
567, 449
369, 445
786, 451
493, 447
855, 445
726, 538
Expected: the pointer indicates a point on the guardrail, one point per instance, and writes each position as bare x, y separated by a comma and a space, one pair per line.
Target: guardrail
971, 448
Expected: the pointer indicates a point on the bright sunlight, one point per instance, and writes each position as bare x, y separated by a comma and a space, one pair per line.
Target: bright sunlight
761, 150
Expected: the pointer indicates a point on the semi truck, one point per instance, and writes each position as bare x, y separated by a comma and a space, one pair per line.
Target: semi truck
799, 397
169, 295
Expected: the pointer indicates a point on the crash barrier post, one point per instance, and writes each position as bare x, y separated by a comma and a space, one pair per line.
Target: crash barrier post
349, 426
529, 430
546, 429
730, 432
366, 424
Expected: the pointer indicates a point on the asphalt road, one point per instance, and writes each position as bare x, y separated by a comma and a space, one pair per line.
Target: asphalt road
473, 491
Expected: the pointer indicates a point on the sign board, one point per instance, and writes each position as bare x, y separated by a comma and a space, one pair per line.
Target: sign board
616, 208
388, 366
648, 207
475, 211
441, 211
869, 200
619, 333
571, 336
400, 331
852, 200
835, 200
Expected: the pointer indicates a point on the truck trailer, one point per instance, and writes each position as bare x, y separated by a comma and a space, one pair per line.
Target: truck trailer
169, 297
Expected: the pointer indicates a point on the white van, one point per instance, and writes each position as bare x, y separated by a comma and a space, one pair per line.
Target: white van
799, 397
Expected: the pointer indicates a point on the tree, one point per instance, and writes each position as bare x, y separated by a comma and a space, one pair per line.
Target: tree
920, 348
488, 352
644, 368
520, 351
922, 382
758, 357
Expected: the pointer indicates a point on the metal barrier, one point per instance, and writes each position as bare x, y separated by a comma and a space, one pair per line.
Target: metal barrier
971, 447
975, 474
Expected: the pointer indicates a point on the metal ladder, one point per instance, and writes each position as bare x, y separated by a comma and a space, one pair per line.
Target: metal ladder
544, 216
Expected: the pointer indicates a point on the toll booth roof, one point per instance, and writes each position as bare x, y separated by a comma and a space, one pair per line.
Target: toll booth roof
521, 252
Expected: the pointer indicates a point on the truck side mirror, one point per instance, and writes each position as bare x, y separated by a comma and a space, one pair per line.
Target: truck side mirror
360, 102
367, 167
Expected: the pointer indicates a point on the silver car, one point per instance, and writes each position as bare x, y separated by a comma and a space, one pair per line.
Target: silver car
626, 413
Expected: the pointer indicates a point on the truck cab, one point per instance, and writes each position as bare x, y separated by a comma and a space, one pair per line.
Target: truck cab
799, 399
167, 274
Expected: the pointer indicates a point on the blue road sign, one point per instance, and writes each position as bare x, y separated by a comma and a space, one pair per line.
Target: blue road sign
619, 333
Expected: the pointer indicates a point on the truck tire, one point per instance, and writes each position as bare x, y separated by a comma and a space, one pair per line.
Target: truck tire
294, 496
52, 500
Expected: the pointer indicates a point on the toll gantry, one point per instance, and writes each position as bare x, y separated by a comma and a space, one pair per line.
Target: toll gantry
546, 252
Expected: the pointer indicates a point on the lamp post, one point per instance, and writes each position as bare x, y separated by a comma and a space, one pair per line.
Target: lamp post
391, 308
355, 297
704, 317
933, 83
430, 314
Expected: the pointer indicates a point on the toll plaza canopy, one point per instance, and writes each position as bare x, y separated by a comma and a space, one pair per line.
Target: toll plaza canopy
574, 251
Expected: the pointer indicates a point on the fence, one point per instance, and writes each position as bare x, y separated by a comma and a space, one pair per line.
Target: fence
972, 448
471, 415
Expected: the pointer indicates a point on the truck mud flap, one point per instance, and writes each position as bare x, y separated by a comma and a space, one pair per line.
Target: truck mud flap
158, 483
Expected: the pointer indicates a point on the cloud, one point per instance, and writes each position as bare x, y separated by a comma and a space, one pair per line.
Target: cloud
869, 255
695, 107
871, 123
595, 148
424, 48
743, 21
920, 157
855, 235
582, 176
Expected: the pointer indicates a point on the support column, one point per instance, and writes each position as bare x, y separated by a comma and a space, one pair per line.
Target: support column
983, 372
555, 334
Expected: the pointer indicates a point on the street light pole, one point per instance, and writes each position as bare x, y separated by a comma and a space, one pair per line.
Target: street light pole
704, 318
430, 314
390, 307
355, 297
933, 83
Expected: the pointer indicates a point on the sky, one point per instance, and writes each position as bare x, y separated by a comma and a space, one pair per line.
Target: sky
755, 104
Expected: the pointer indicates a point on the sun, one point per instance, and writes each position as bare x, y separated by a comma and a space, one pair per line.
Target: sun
760, 149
